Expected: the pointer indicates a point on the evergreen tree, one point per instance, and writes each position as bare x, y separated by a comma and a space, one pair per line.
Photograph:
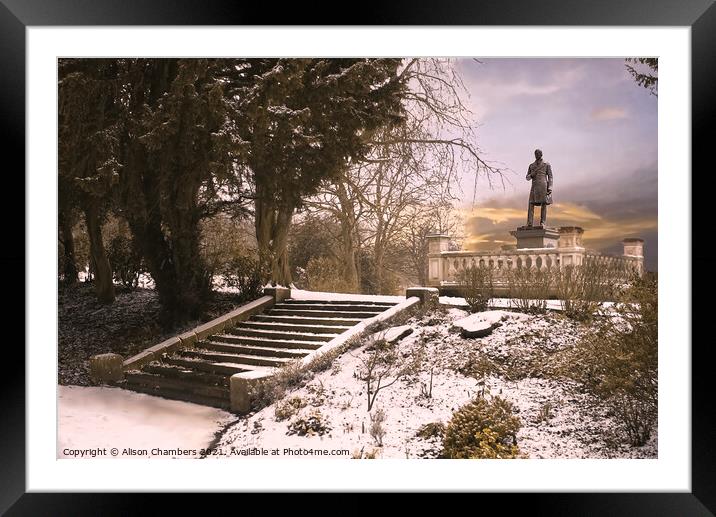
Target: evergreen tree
304, 121
176, 138
88, 170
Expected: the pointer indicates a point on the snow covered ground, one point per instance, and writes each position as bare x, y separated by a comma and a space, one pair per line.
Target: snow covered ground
558, 421
101, 418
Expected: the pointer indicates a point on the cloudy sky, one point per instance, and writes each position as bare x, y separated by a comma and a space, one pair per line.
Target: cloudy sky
597, 129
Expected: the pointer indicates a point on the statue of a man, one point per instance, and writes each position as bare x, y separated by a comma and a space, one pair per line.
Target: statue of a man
540, 173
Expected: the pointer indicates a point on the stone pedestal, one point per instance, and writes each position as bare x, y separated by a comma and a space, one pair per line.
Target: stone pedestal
530, 237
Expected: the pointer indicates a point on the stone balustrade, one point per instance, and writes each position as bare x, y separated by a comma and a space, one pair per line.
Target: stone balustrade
444, 265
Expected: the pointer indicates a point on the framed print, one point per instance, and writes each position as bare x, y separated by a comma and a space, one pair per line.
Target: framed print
246, 245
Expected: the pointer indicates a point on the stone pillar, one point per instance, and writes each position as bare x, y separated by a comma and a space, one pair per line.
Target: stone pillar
279, 293
437, 272
243, 387
634, 249
438, 242
429, 296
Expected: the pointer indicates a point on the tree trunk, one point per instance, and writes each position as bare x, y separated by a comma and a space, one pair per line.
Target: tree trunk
174, 263
70, 272
348, 247
378, 255
192, 281
272, 225
350, 270
104, 288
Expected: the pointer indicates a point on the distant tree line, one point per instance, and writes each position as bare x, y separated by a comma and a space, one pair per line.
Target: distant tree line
180, 154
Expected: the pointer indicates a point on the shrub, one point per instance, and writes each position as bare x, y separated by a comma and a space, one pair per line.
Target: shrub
381, 366
618, 361
223, 238
247, 275
583, 288
288, 408
324, 274
545, 412
369, 283
431, 430
377, 431
529, 288
126, 261
311, 425
482, 429
476, 287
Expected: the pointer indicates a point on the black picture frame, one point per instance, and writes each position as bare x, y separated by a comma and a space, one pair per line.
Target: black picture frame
17, 15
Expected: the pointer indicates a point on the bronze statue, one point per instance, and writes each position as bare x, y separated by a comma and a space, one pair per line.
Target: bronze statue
540, 173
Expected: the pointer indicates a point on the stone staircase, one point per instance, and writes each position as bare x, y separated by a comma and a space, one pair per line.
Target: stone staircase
289, 330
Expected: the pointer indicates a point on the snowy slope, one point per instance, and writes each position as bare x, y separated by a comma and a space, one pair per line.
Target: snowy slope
557, 420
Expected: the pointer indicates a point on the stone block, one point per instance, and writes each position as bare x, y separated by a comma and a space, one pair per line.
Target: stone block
429, 296
278, 293
395, 334
242, 386
106, 368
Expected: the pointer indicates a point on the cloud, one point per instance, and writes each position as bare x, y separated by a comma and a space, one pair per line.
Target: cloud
496, 215
503, 214
488, 227
608, 113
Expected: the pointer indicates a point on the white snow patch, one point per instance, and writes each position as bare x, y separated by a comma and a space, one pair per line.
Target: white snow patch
101, 417
482, 321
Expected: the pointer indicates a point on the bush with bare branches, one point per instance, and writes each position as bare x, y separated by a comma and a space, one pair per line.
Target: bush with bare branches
381, 366
583, 288
529, 288
618, 360
476, 287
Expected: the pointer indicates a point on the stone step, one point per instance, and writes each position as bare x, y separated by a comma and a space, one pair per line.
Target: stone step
357, 307
322, 313
178, 394
292, 327
238, 359
329, 322
295, 353
277, 334
219, 368
276, 343
133, 378
183, 372
339, 302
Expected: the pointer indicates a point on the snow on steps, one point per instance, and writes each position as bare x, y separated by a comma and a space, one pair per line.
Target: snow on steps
289, 330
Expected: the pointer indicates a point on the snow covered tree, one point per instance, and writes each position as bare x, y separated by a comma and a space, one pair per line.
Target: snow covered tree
88, 170
304, 120
177, 138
